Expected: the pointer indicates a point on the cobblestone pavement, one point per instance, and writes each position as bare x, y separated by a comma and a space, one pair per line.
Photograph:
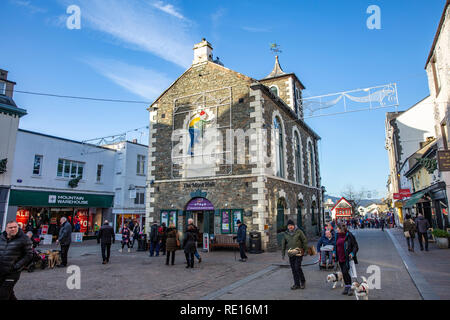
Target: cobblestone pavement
135, 275
433, 265
375, 248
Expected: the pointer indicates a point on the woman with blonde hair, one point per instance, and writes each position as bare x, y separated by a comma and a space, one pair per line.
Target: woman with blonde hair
172, 243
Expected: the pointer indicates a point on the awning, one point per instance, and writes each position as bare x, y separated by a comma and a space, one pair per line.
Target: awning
414, 199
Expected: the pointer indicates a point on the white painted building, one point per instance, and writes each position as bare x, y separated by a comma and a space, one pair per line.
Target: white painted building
9, 122
129, 182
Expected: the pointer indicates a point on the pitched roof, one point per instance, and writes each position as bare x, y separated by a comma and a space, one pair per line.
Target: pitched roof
277, 70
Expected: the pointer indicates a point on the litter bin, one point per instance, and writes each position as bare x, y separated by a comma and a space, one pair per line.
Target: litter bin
142, 242
255, 242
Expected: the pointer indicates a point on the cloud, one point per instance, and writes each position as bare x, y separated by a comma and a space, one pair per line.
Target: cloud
27, 4
253, 29
140, 25
143, 82
168, 8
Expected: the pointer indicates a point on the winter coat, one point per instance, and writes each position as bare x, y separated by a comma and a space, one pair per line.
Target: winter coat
171, 242
106, 234
136, 230
350, 247
15, 253
190, 239
162, 233
324, 241
154, 234
65, 234
126, 235
296, 239
409, 225
242, 233
422, 225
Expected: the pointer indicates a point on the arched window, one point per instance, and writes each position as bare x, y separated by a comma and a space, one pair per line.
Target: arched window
279, 154
312, 165
299, 214
274, 90
298, 158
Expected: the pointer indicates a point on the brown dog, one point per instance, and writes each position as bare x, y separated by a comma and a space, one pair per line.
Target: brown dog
53, 259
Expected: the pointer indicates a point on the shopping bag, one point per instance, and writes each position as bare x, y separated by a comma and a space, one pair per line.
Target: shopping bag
353, 269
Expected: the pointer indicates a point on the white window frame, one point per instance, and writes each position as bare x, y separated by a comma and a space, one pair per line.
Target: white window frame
70, 164
140, 165
3, 87
41, 157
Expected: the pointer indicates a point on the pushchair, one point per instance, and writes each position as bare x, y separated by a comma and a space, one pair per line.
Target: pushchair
39, 260
326, 260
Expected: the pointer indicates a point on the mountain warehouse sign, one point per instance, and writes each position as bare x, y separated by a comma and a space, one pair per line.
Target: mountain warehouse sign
57, 199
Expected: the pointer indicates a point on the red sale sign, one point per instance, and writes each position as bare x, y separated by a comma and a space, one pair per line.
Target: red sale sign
22, 217
83, 219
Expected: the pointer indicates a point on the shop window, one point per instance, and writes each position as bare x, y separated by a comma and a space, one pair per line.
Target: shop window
99, 172
140, 168
37, 165
70, 169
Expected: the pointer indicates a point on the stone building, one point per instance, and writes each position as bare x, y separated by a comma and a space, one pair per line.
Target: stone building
225, 146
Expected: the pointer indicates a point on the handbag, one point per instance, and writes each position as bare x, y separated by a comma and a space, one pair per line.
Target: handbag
407, 235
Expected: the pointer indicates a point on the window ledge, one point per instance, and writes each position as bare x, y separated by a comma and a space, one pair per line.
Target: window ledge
35, 176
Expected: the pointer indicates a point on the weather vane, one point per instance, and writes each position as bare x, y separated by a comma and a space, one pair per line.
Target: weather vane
275, 48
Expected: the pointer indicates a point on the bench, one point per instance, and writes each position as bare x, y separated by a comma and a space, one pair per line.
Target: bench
224, 241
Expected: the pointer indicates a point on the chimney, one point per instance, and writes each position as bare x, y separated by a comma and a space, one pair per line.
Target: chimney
202, 52
134, 141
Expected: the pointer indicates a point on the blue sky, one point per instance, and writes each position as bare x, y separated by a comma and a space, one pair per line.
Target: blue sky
132, 50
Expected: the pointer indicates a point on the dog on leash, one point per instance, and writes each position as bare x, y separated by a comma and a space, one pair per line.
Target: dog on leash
53, 259
361, 289
335, 278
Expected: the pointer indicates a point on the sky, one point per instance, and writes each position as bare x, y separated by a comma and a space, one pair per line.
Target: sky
133, 50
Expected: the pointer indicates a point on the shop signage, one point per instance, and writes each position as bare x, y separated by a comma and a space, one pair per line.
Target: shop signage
199, 204
22, 218
58, 199
206, 242
405, 193
226, 226
77, 237
200, 185
48, 238
444, 160
44, 229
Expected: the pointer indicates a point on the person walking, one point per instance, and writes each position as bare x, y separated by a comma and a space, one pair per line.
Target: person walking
64, 239
136, 230
105, 237
241, 238
15, 254
163, 236
409, 229
172, 243
382, 223
154, 240
345, 250
189, 244
196, 254
422, 226
294, 238
126, 234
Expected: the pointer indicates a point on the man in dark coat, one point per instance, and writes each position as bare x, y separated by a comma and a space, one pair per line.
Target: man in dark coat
15, 253
422, 226
154, 239
64, 239
106, 236
241, 237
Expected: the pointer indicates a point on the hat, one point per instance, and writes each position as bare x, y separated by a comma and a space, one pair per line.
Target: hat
238, 221
290, 222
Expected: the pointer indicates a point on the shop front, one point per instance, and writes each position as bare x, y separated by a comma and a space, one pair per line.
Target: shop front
207, 218
40, 212
125, 217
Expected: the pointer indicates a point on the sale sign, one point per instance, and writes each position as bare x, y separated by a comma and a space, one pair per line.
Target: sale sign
83, 219
22, 217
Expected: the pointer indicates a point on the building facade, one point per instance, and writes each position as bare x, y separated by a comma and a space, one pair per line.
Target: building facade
10, 115
224, 146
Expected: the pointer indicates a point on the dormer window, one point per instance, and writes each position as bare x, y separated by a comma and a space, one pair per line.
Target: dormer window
274, 90
2, 87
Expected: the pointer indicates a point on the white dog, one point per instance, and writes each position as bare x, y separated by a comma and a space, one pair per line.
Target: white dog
335, 278
361, 289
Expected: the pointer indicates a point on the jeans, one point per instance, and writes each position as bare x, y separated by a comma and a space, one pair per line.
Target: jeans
242, 250
297, 272
324, 254
345, 273
128, 244
425, 235
189, 259
168, 256
64, 254
106, 251
154, 246
7, 288
410, 242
